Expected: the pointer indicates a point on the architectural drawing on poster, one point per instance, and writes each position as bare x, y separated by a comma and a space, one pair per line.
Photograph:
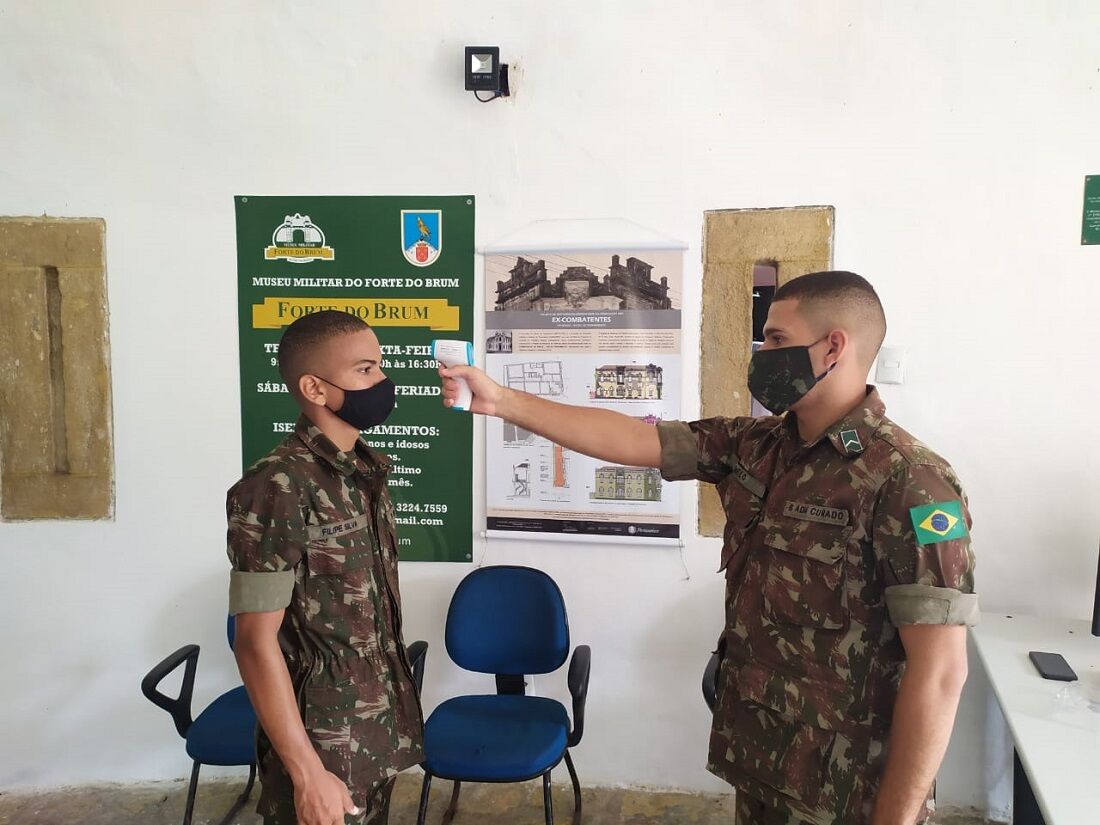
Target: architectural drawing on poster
615, 483
635, 382
559, 466
516, 435
521, 480
538, 378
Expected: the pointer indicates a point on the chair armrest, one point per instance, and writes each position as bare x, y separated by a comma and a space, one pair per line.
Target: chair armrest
418, 657
580, 666
710, 681
180, 707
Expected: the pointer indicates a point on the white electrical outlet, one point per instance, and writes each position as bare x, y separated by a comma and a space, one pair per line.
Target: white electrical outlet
891, 366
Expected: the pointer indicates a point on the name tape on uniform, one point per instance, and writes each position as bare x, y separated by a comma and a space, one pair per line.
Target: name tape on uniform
334, 529
837, 516
748, 481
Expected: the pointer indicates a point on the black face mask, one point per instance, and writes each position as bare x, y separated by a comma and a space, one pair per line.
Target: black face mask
367, 408
780, 378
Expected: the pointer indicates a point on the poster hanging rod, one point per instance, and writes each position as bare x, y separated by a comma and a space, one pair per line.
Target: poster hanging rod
575, 538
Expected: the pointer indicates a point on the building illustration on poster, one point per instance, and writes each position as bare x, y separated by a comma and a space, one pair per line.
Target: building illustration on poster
629, 381
299, 241
628, 483
583, 312
499, 342
577, 287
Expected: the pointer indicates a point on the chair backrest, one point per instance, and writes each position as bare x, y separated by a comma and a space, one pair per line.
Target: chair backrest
508, 620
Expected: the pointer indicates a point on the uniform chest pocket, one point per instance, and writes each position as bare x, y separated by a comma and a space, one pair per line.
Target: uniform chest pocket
330, 559
340, 586
339, 547
807, 571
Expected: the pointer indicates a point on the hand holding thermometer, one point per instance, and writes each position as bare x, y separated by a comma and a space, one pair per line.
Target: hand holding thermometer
456, 354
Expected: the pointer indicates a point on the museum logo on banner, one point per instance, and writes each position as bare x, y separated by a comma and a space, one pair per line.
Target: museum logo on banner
298, 240
421, 235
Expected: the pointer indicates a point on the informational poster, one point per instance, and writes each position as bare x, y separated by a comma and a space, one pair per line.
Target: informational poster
595, 327
1090, 221
405, 265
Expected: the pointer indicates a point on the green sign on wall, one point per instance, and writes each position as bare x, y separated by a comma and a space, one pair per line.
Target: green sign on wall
406, 266
1090, 223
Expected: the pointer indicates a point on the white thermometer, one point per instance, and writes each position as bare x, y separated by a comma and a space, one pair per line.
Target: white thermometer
456, 354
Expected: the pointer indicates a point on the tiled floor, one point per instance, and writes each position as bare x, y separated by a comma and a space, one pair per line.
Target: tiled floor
162, 804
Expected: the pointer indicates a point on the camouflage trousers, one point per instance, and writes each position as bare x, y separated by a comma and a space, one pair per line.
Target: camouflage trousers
277, 808
754, 812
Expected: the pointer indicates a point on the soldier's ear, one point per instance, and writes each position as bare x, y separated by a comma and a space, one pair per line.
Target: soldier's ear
839, 342
312, 389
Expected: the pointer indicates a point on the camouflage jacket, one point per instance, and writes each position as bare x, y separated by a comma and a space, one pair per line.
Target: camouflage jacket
312, 530
828, 548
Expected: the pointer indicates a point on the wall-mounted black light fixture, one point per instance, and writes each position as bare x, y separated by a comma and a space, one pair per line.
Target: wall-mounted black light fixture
485, 73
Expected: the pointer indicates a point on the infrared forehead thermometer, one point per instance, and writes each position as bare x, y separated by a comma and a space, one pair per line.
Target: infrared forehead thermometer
456, 354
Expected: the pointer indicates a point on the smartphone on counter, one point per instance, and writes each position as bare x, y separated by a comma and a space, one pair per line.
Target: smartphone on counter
1052, 666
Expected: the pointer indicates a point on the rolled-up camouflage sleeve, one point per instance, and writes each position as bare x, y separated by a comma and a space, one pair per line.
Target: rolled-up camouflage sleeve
699, 449
266, 538
921, 534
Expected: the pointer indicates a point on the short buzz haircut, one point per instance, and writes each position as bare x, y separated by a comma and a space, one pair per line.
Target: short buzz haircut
831, 299
303, 337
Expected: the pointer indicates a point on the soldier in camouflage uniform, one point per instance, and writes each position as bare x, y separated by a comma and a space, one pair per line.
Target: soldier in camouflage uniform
849, 573
315, 590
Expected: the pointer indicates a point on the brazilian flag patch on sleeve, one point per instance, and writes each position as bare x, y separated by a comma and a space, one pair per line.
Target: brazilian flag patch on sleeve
939, 522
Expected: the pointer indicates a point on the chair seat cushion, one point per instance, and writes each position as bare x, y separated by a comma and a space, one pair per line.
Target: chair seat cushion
224, 733
495, 738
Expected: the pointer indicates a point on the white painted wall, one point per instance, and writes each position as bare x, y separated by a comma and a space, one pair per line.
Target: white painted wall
951, 138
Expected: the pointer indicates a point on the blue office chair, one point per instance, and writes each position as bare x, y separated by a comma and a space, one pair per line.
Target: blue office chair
508, 621
223, 734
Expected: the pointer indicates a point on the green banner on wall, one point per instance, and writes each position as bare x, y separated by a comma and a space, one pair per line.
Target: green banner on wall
1090, 222
406, 266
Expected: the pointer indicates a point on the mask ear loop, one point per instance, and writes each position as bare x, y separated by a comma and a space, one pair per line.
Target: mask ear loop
337, 385
827, 369
345, 392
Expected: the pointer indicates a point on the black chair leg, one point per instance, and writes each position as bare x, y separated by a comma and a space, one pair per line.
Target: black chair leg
576, 789
425, 791
546, 801
191, 791
452, 809
242, 799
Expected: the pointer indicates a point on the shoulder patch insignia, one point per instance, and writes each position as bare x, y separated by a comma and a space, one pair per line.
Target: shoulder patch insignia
849, 439
942, 521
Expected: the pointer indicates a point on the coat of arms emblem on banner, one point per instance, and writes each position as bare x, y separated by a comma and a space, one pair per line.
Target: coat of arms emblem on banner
421, 235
